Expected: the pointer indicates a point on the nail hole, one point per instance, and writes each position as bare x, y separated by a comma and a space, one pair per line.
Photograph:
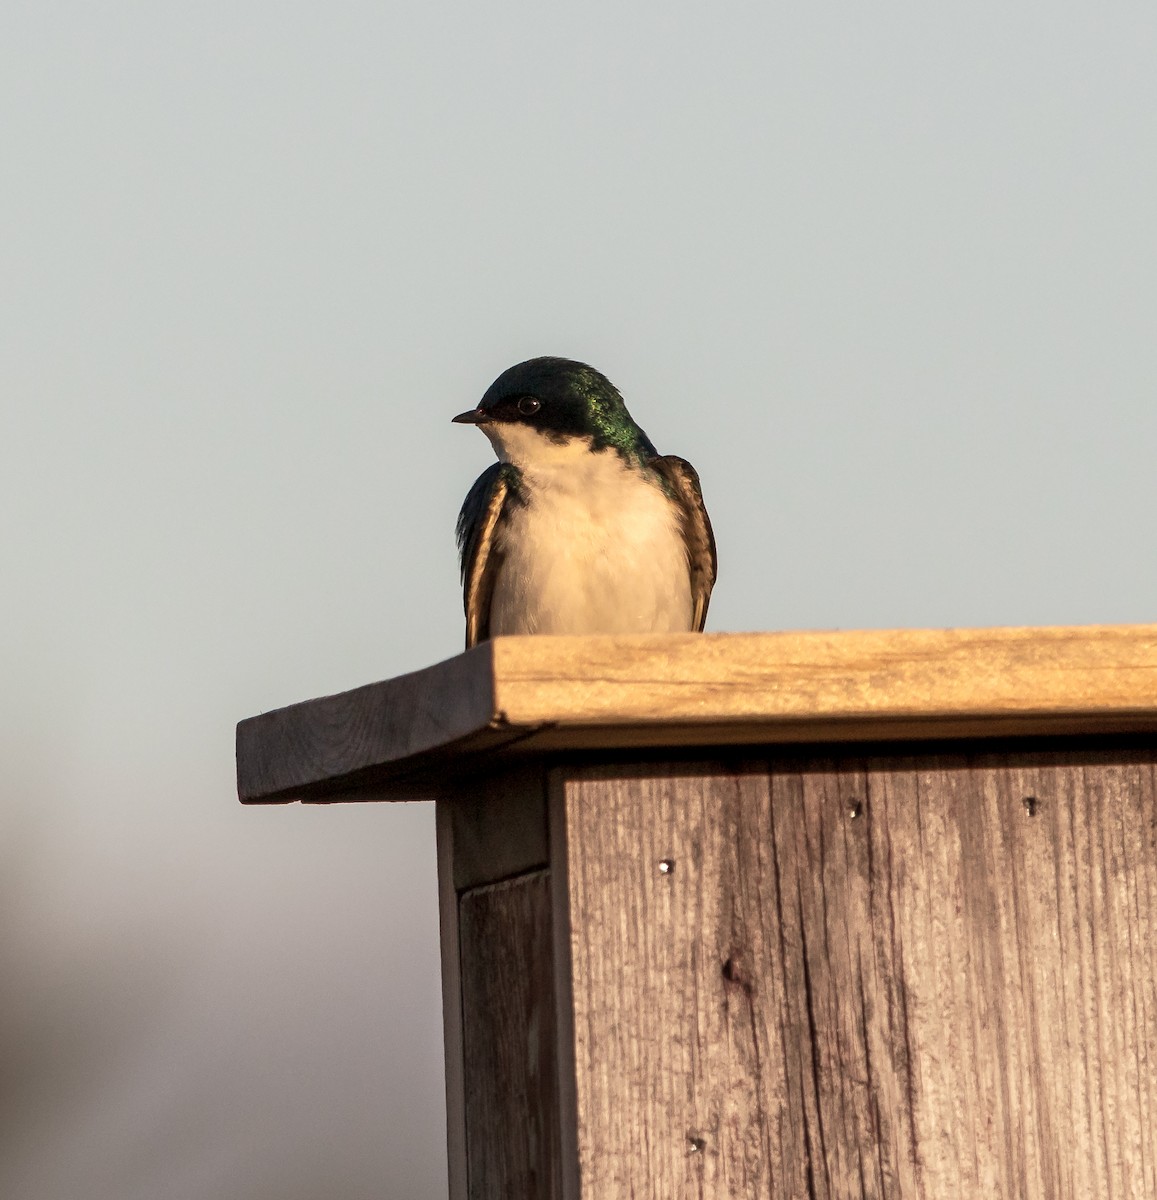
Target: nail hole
855, 809
1031, 804
666, 866
733, 971
697, 1144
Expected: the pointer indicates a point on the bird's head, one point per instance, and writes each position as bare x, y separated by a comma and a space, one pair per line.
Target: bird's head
547, 407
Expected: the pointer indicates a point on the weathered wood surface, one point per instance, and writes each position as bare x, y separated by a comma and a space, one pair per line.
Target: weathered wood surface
509, 1041
498, 826
335, 743
451, 954
535, 694
923, 978
884, 675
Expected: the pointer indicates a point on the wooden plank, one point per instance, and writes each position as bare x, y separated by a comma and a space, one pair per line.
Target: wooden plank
541, 694
499, 825
570, 1181
489, 830
450, 942
888, 674
892, 978
338, 742
511, 1086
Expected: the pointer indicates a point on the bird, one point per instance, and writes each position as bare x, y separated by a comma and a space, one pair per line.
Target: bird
581, 526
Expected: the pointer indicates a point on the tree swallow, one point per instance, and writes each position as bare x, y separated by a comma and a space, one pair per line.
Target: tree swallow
581, 526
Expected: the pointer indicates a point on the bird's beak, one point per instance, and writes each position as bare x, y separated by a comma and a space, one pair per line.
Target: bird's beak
474, 417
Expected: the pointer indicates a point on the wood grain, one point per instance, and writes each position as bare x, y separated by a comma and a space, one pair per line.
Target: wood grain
768, 677
450, 949
406, 737
511, 1092
352, 739
896, 978
499, 826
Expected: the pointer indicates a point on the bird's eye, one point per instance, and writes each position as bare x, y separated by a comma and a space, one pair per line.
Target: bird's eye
528, 406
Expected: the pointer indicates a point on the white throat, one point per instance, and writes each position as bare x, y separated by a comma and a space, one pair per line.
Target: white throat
527, 448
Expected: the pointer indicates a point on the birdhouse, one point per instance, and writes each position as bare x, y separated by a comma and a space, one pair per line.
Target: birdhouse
778, 915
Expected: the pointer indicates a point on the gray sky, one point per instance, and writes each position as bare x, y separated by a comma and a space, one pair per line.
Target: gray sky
886, 274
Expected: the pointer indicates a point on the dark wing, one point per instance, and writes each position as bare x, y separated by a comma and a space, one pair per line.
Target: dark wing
477, 522
683, 484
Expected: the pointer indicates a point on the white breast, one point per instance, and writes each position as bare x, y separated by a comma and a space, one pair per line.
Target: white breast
598, 548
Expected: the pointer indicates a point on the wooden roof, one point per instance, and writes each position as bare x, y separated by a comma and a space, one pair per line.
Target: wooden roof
519, 695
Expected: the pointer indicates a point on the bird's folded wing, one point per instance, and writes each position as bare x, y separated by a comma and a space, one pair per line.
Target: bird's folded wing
684, 484
480, 517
